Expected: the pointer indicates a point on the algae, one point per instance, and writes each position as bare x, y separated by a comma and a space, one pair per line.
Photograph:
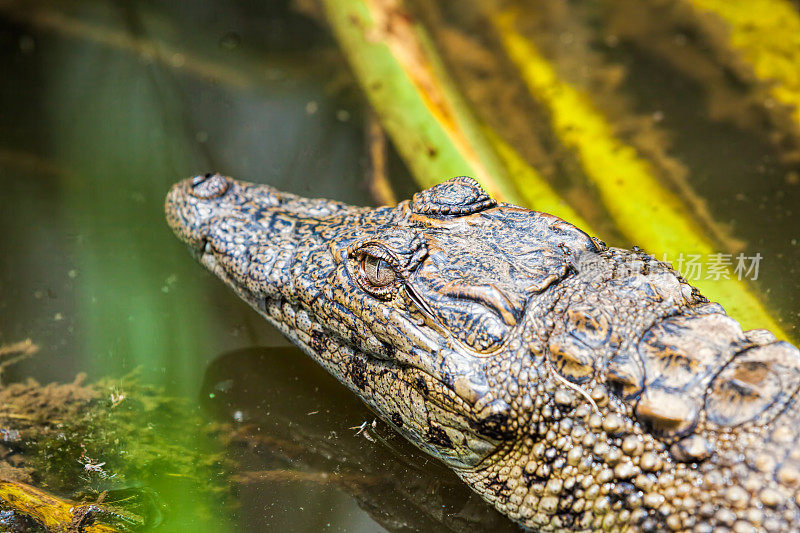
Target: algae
92, 452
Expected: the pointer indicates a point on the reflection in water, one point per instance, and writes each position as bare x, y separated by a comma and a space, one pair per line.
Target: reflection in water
298, 427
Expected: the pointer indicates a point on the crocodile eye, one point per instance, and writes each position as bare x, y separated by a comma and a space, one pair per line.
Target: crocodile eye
377, 272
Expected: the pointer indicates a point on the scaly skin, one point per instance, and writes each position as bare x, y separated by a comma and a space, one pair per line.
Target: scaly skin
572, 385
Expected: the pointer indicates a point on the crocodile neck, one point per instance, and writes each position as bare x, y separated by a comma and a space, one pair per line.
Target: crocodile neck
572, 385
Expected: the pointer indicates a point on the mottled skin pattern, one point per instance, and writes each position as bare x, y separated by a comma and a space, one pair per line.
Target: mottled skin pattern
572, 385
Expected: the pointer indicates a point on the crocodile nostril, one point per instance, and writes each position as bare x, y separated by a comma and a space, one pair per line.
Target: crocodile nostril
209, 186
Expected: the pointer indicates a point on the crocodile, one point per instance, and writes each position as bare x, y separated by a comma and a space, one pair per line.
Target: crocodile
573, 385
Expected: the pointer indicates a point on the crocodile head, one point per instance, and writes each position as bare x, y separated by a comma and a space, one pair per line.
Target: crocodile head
571, 385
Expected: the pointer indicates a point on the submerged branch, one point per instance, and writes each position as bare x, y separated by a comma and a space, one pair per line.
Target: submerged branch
13, 353
378, 179
418, 104
52, 512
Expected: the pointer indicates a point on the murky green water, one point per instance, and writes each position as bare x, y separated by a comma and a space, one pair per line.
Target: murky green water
105, 104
